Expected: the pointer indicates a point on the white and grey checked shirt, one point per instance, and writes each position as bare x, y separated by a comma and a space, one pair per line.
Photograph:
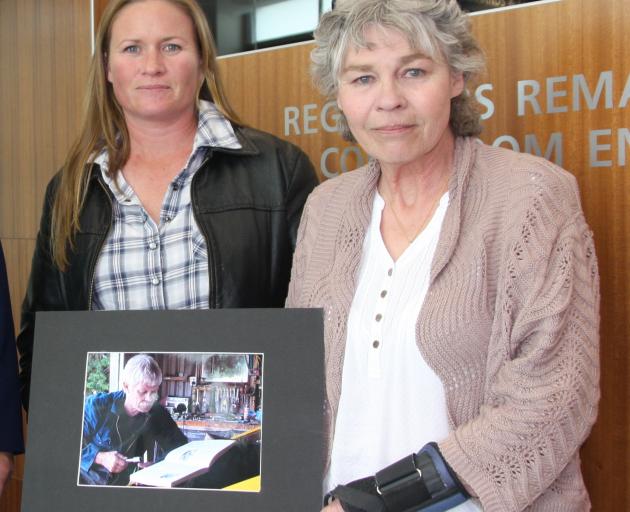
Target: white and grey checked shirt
143, 265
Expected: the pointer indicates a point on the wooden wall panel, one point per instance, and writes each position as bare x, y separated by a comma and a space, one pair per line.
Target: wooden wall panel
272, 91
549, 43
99, 7
44, 56
45, 48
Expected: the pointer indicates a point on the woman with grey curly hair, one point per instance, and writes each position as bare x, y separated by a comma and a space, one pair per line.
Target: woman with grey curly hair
442, 34
459, 283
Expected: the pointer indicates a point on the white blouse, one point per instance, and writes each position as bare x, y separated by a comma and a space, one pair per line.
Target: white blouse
389, 393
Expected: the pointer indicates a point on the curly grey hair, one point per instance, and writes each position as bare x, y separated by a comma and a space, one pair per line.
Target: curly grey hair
438, 28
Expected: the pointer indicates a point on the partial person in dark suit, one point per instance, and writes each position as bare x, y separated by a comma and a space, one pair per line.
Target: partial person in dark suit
11, 438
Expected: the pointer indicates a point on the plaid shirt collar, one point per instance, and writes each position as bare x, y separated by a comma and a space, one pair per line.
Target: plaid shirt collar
213, 131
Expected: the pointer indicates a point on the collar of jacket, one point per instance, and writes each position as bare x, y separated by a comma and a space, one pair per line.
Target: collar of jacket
98, 222
118, 402
118, 405
463, 162
248, 148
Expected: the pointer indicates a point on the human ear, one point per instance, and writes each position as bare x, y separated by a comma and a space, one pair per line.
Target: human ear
457, 83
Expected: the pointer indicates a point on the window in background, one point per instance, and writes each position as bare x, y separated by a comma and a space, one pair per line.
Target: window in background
482, 5
243, 25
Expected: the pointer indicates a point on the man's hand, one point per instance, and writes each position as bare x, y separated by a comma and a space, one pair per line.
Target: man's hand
113, 461
6, 465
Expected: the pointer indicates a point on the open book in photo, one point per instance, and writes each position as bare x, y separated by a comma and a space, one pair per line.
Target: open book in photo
181, 464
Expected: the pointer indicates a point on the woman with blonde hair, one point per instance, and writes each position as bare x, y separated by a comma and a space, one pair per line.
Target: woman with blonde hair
166, 200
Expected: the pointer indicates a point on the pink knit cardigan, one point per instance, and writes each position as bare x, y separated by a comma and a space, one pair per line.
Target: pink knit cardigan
509, 324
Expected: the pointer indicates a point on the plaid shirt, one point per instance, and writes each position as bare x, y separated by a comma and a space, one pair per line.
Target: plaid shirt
143, 265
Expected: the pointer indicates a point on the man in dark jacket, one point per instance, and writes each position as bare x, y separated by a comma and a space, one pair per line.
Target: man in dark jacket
123, 425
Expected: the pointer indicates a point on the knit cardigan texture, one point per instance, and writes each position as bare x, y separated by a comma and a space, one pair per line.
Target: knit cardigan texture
510, 322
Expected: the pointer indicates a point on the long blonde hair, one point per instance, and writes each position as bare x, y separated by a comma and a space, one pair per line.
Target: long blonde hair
104, 127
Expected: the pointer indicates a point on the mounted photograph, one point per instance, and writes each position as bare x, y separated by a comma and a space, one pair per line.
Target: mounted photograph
172, 420
181, 410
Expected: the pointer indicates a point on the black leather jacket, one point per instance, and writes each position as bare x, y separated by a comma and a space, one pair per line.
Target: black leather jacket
247, 203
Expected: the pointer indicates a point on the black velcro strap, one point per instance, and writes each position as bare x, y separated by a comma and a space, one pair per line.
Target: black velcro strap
430, 476
401, 485
355, 499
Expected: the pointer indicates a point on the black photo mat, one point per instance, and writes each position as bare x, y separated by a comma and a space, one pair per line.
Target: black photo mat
292, 455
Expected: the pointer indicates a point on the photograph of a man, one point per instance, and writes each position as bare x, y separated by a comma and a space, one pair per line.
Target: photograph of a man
122, 429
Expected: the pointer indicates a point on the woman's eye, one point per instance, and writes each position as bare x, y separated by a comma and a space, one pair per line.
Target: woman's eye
132, 48
414, 72
362, 80
172, 47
